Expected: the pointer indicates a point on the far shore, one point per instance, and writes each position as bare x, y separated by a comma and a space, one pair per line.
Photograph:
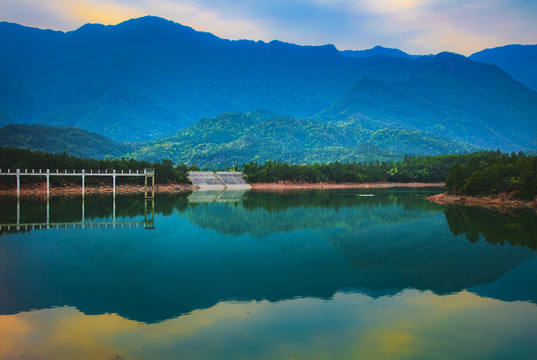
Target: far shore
40, 189
378, 185
502, 200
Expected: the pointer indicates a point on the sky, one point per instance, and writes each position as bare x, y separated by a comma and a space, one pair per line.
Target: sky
414, 26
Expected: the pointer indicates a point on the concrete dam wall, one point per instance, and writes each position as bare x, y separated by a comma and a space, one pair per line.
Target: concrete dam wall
233, 180
207, 180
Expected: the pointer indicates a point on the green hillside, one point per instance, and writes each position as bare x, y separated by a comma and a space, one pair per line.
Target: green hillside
70, 140
261, 136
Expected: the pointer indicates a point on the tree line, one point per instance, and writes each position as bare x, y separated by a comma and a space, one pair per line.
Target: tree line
410, 169
515, 173
12, 158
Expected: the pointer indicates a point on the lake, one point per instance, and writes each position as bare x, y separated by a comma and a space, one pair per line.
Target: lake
320, 274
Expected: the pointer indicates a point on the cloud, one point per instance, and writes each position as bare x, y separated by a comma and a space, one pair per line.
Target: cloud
416, 26
103, 12
65, 14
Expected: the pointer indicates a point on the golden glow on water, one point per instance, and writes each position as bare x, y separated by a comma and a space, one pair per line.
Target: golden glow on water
411, 325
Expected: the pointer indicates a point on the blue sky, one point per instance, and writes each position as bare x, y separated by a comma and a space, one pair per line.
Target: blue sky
415, 26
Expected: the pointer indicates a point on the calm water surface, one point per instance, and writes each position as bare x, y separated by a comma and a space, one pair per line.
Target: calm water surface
332, 274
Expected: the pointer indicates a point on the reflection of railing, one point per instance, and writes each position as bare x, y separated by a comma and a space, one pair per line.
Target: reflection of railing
72, 225
148, 223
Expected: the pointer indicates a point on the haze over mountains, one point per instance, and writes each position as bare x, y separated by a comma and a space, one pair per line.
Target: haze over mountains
148, 78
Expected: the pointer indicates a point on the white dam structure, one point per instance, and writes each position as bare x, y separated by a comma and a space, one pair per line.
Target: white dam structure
208, 180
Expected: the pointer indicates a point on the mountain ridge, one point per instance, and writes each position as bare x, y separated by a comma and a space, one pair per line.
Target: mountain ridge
378, 50
146, 78
519, 61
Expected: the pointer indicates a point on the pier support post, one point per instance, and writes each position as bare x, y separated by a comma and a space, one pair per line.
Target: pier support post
18, 183
83, 178
114, 183
149, 173
48, 183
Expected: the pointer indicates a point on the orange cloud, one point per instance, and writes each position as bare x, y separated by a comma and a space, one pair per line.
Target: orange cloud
101, 12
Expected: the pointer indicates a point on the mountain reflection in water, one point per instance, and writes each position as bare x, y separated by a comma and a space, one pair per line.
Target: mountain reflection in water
255, 246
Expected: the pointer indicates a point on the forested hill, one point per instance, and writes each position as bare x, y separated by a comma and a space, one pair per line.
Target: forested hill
53, 139
261, 136
147, 78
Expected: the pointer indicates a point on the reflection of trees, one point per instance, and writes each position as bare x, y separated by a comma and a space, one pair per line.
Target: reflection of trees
264, 213
517, 228
236, 220
337, 199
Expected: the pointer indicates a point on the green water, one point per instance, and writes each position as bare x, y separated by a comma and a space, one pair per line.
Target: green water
331, 274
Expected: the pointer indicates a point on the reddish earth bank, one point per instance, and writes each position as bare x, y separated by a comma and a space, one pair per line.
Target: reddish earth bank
502, 200
33, 189
36, 189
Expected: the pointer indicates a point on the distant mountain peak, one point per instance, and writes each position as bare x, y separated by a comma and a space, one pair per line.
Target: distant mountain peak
519, 61
450, 55
378, 50
90, 28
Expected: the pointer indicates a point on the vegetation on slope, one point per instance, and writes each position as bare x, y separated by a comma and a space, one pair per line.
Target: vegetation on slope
57, 140
262, 136
411, 169
489, 111
515, 173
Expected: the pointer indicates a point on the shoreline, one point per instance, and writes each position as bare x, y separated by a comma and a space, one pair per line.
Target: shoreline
378, 185
40, 189
502, 200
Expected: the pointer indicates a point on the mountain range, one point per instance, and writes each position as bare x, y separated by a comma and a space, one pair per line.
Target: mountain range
151, 80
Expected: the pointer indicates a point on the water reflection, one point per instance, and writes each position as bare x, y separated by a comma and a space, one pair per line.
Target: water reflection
296, 274
81, 212
517, 227
269, 246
